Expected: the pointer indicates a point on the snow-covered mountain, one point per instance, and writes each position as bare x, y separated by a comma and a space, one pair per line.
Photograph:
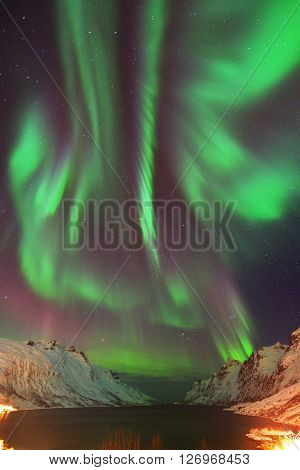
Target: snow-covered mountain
266, 384
43, 374
220, 388
283, 407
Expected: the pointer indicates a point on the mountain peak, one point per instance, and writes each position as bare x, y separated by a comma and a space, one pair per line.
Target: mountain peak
295, 340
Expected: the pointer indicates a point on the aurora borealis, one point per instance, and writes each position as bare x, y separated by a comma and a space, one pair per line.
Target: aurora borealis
158, 99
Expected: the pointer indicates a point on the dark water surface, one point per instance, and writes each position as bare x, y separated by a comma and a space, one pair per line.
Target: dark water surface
179, 426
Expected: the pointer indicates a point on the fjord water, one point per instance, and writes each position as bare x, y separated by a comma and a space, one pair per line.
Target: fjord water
179, 427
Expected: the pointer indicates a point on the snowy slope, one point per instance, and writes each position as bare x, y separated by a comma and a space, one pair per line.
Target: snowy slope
288, 370
256, 378
239, 382
43, 374
220, 388
266, 384
283, 407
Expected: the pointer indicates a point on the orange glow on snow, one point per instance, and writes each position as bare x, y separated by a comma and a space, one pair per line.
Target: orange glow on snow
3, 446
275, 439
6, 409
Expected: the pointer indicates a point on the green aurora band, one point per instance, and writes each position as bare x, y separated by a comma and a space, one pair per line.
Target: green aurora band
154, 27
42, 172
236, 76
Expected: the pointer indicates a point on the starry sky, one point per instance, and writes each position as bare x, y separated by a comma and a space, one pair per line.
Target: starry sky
151, 100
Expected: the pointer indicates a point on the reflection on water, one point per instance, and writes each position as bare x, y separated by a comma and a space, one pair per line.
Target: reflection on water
275, 439
154, 427
5, 410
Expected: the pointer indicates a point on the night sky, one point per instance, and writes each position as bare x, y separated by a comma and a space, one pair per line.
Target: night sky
190, 100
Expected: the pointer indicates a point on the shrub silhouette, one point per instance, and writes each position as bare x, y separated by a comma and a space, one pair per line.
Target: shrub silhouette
121, 439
